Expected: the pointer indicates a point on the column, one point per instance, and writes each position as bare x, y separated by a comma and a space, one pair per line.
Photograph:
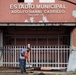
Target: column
74, 36
72, 57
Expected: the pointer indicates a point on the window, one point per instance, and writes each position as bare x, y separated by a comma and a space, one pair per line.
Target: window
40, 1
26, 1
20, 0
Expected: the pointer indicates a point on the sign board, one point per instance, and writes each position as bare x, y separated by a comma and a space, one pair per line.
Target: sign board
32, 11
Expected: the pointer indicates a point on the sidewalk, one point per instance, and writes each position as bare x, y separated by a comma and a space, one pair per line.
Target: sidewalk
8, 71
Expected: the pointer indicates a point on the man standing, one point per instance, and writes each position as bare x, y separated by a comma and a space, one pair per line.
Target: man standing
22, 59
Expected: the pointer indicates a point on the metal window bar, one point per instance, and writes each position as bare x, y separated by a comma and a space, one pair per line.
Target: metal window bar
40, 56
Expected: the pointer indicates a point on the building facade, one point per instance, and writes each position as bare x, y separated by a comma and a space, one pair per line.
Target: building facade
48, 26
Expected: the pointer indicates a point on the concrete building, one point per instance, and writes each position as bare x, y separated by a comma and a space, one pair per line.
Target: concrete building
48, 26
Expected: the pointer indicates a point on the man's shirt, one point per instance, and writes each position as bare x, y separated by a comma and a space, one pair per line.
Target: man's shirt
23, 52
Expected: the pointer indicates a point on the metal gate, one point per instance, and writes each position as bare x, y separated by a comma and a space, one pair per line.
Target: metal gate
52, 56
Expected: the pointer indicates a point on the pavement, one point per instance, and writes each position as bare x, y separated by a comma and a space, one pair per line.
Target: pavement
10, 71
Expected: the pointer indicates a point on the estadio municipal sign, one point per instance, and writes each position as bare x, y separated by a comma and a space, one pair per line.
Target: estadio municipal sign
36, 11
37, 8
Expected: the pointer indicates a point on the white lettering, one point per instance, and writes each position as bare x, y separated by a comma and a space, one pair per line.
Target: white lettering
15, 6
11, 6
38, 8
54, 11
27, 11
22, 6
50, 6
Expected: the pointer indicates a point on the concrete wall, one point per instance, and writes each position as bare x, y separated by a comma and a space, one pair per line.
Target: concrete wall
60, 12
72, 58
